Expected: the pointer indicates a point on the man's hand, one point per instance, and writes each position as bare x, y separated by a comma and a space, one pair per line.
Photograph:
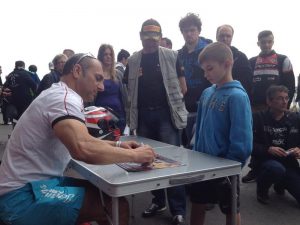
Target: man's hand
129, 144
144, 154
277, 151
295, 152
6, 92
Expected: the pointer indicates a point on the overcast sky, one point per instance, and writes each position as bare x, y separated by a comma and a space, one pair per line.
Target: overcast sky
35, 31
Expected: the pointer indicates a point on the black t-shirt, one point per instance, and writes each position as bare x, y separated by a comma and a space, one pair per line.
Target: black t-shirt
151, 89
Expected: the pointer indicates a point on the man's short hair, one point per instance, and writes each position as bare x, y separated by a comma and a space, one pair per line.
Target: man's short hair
68, 52
122, 54
83, 62
19, 64
217, 51
32, 68
168, 41
57, 58
272, 90
190, 19
264, 33
225, 25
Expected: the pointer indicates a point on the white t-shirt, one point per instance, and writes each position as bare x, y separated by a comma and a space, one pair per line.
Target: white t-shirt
33, 152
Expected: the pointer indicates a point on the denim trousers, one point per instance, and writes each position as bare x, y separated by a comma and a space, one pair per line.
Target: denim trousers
274, 172
156, 124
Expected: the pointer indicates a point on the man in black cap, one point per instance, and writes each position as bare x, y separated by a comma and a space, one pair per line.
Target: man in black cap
156, 108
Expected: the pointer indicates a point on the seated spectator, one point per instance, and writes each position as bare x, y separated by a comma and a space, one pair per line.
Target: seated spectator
276, 146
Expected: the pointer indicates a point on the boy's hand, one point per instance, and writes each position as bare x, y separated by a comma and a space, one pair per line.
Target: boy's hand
277, 151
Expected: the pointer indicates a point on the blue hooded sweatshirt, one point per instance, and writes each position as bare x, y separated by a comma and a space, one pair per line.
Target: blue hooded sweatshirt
224, 122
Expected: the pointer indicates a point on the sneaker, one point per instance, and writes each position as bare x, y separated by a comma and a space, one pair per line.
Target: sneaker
153, 210
279, 189
9, 123
250, 177
178, 220
263, 198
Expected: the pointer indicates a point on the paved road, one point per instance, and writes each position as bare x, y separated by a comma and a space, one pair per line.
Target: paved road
283, 210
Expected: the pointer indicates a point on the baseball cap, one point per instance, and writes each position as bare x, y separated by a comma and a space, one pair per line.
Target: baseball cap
151, 29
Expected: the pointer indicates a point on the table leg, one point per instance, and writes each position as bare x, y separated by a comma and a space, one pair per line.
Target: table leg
234, 199
115, 210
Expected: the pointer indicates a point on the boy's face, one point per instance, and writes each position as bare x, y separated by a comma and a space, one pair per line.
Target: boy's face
190, 34
215, 72
266, 44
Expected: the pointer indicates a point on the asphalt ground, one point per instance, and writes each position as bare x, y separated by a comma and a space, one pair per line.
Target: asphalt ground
282, 210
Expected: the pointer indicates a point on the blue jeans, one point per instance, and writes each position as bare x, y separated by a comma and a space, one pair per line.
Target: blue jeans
157, 125
274, 172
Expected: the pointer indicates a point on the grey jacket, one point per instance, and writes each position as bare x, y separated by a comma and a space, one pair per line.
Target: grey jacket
167, 61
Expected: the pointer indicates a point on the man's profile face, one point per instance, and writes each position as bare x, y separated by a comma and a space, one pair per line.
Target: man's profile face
91, 81
190, 34
266, 44
225, 35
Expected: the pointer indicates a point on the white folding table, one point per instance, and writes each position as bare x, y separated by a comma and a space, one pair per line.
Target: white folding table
116, 182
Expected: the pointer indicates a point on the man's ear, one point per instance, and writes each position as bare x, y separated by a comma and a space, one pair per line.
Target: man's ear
258, 44
77, 70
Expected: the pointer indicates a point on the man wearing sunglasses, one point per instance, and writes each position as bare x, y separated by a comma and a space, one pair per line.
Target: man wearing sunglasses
156, 109
32, 187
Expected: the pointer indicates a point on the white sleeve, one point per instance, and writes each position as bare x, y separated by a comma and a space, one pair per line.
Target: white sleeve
287, 65
65, 106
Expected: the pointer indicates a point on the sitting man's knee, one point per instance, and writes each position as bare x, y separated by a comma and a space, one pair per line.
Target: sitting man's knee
274, 168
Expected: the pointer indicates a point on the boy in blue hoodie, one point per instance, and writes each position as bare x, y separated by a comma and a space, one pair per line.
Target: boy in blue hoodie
223, 129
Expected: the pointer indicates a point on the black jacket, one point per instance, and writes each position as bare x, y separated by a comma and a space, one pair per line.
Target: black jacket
48, 80
261, 82
23, 89
284, 133
298, 89
242, 70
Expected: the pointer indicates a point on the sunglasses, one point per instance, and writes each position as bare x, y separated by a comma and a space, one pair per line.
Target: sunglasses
90, 55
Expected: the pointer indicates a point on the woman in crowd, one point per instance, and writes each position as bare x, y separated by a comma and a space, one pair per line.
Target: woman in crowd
114, 95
